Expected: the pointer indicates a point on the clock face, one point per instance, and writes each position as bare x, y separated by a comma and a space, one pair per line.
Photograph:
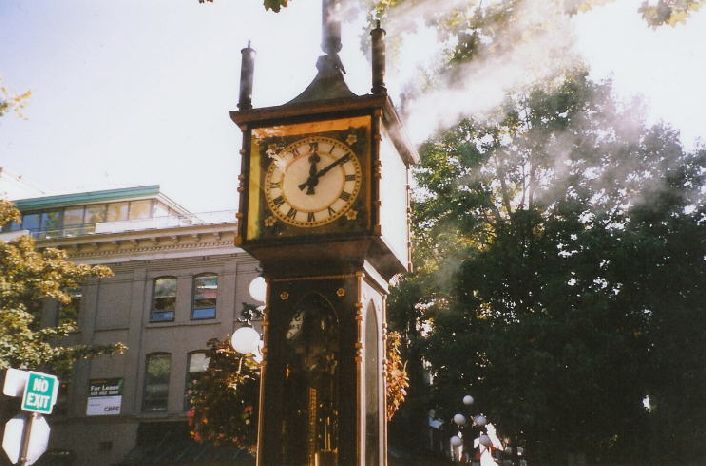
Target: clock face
308, 179
312, 182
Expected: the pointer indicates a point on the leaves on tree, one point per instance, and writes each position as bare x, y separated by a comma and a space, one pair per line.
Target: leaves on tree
27, 277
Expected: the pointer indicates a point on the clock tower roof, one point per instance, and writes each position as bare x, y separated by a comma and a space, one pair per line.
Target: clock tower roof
327, 84
333, 108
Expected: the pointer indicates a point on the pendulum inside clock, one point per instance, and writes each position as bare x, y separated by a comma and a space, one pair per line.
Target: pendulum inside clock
311, 385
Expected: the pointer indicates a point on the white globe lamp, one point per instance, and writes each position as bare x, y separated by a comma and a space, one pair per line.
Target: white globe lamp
258, 289
245, 340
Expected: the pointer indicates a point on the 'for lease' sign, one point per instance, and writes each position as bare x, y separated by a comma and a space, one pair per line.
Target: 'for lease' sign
104, 397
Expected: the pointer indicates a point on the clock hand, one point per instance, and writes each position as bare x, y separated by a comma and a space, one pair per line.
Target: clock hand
313, 178
328, 167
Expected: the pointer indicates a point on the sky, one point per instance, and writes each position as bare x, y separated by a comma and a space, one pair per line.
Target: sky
136, 92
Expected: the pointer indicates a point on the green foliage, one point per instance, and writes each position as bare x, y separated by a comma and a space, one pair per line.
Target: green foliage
560, 262
473, 13
10, 101
396, 379
225, 398
27, 277
671, 12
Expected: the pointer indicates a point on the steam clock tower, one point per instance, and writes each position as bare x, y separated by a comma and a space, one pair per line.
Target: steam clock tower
324, 205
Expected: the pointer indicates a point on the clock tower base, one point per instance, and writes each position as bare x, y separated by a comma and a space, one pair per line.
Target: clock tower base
322, 399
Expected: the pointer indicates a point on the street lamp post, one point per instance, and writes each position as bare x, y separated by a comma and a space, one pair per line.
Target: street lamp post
486, 440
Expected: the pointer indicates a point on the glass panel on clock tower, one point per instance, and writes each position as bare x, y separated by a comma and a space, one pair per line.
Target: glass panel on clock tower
311, 421
372, 387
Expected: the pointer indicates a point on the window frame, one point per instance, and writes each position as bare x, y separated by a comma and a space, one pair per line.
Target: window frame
89, 209
133, 209
188, 378
25, 218
163, 315
77, 208
148, 357
51, 220
193, 297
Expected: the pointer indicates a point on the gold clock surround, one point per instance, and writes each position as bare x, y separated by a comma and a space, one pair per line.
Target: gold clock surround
312, 182
291, 197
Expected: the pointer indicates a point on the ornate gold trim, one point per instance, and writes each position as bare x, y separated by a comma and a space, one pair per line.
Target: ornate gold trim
315, 277
359, 418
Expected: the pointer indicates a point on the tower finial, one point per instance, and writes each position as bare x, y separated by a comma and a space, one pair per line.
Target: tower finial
378, 59
331, 27
247, 69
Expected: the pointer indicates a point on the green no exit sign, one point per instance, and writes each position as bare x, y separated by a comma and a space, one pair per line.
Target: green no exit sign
40, 393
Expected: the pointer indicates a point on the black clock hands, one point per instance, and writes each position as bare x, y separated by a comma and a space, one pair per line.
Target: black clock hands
328, 167
313, 179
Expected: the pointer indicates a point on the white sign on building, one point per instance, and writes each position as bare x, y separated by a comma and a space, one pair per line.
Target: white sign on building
105, 397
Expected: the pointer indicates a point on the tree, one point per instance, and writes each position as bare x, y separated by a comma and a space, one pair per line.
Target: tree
28, 277
459, 16
544, 241
224, 399
10, 101
671, 12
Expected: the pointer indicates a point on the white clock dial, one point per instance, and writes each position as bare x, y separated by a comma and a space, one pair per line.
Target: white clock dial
312, 182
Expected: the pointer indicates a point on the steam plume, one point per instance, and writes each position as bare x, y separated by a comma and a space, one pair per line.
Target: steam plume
536, 47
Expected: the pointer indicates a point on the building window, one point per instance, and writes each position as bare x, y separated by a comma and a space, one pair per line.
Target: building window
163, 299
51, 220
30, 222
157, 371
205, 290
94, 214
68, 312
12, 226
140, 210
197, 364
73, 216
117, 212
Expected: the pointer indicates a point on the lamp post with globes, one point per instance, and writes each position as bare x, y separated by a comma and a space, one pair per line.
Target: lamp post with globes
486, 440
246, 340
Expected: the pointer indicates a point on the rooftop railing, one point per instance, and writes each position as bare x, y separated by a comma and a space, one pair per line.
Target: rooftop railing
155, 223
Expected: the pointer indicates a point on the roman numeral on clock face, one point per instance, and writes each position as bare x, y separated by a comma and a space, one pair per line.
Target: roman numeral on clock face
346, 196
350, 178
292, 212
278, 201
310, 217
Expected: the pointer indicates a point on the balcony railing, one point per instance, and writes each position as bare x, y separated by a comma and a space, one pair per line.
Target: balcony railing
155, 223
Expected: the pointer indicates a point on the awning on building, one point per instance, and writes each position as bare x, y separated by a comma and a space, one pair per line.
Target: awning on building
168, 443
